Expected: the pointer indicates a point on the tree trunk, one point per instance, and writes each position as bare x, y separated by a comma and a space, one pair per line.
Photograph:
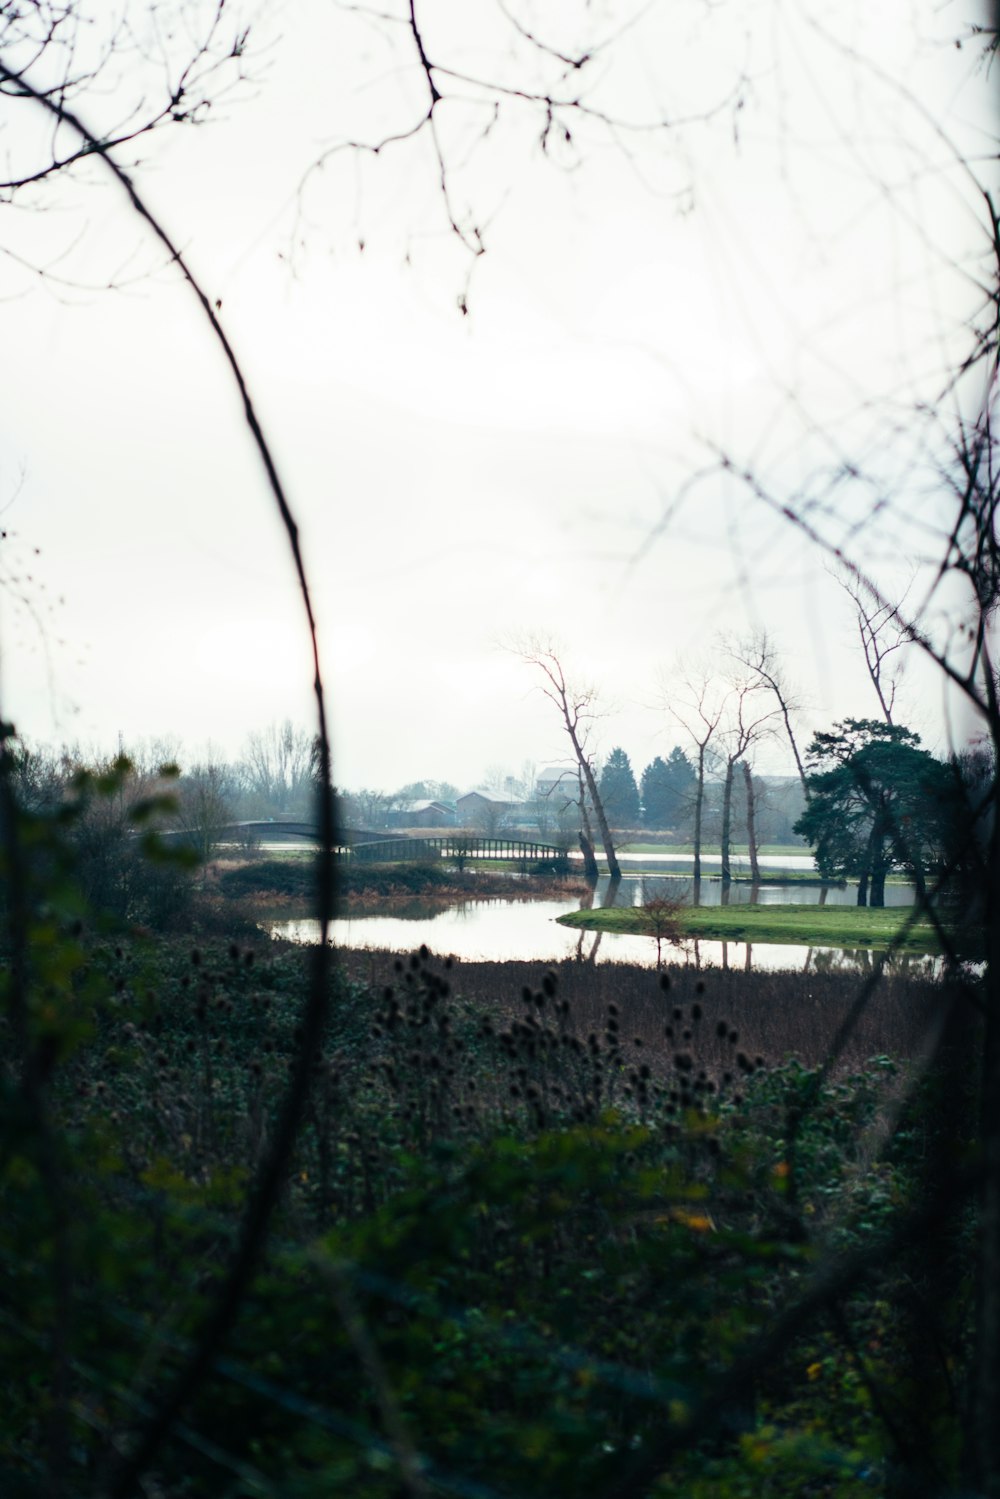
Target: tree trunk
590, 870
614, 868
727, 818
880, 869
751, 824
879, 864
698, 803
864, 872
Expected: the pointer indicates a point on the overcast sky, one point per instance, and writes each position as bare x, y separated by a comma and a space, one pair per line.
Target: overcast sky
783, 282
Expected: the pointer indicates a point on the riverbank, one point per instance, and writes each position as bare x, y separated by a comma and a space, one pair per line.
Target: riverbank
285, 884
813, 926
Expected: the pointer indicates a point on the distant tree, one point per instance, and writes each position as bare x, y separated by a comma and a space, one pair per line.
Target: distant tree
577, 707
427, 790
279, 770
668, 790
39, 778
114, 809
660, 912
759, 654
699, 712
206, 794
619, 792
877, 802
369, 807
883, 632
749, 719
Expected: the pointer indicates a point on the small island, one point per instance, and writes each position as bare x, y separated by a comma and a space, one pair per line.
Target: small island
808, 926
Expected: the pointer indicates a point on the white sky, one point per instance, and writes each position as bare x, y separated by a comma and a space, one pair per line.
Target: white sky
784, 292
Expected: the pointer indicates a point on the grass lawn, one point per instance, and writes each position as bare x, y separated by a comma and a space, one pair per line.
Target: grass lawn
768, 874
808, 926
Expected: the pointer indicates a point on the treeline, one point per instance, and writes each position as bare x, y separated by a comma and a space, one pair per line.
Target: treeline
274, 776
664, 799
136, 822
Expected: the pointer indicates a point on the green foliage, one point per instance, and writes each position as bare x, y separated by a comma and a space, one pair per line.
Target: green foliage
618, 790
668, 789
512, 1248
876, 802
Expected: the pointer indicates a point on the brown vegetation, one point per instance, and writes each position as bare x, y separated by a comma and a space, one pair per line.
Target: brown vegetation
774, 1015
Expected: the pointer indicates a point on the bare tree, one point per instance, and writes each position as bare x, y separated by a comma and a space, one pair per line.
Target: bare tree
544, 82
883, 634
748, 720
751, 805
279, 765
660, 912
370, 806
760, 655
586, 835
139, 69
577, 707
205, 796
699, 711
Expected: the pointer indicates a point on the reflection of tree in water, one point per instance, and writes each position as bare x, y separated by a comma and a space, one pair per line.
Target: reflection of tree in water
870, 960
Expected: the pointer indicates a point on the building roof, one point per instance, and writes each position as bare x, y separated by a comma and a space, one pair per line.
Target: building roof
495, 798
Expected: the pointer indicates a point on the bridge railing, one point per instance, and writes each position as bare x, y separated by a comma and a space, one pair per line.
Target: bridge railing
456, 846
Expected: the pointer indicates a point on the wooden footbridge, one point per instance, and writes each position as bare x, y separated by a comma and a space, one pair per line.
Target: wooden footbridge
454, 846
366, 846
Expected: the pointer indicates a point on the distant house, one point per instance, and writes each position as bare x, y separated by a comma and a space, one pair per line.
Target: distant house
488, 810
422, 814
558, 785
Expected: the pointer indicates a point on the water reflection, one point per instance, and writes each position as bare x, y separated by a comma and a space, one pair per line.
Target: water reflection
632, 891
503, 930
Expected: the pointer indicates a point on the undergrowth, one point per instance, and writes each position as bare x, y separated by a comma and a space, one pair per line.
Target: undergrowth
514, 1245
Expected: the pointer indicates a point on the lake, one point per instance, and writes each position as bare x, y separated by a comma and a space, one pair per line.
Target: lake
506, 930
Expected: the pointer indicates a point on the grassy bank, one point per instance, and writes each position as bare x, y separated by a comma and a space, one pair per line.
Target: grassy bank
292, 883
808, 926
768, 875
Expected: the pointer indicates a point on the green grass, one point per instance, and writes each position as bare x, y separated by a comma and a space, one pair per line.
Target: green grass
768, 874
810, 926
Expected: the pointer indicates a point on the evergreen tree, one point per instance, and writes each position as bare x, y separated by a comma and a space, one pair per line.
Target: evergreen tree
668, 788
877, 802
618, 790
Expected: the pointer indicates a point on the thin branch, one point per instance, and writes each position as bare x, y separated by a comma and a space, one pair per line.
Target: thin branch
265, 1193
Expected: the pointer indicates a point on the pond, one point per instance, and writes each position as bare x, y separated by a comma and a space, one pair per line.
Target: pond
508, 930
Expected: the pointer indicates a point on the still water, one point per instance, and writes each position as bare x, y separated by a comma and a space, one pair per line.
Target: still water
503, 930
